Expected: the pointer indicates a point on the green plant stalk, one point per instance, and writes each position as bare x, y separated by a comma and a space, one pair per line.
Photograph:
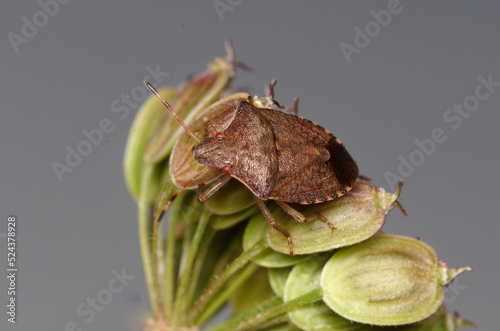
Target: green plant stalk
187, 238
150, 263
259, 309
169, 275
218, 281
190, 222
180, 306
268, 311
278, 320
198, 264
220, 299
156, 244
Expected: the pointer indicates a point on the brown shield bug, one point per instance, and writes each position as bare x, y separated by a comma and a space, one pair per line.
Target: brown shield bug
277, 155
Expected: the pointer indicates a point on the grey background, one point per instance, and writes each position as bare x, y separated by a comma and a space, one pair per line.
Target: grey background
72, 234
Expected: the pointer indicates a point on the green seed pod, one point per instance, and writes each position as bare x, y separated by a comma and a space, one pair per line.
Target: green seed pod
439, 321
305, 277
234, 198
254, 231
191, 99
277, 279
220, 222
243, 300
356, 216
386, 280
140, 134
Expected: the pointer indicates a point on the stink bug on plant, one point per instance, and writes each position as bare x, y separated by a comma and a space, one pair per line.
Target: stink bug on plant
276, 155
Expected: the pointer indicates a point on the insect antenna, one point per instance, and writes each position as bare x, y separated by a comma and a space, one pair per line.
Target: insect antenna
170, 109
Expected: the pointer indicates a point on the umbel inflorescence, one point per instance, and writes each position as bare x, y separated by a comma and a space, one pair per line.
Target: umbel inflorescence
223, 252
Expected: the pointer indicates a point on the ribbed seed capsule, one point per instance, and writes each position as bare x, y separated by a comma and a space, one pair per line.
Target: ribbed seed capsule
254, 231
356, 216
386, 280
439, 321
277, 279
140, 134
155, 131
235, 197
192, 98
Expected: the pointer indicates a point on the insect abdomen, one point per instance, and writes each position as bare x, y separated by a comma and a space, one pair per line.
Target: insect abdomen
319, 182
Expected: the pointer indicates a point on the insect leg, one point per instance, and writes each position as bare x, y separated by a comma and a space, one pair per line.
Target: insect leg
270, 219
162, 208
163, 204
214, 187
301, 218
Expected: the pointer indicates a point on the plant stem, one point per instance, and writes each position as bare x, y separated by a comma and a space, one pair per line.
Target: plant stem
272, 322
149, 261
180, 306
198, 264
219, 280
268, 311
219, 300
170, 263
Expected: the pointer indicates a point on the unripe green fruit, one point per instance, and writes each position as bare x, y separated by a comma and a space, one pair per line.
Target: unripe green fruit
386, 280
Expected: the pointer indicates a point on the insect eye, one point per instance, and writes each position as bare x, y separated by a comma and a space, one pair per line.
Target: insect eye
226, 169
218, 134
